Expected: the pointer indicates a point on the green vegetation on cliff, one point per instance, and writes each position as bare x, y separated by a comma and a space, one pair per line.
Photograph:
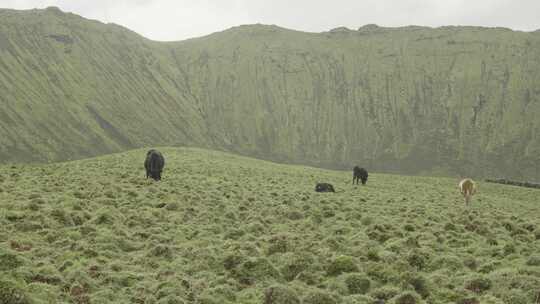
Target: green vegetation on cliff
221, 228
450, 100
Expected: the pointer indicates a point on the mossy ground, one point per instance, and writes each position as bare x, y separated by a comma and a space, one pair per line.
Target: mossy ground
225, 229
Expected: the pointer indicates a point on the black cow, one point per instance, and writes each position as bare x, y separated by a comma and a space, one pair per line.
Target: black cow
324, 187
359, 174
154, 164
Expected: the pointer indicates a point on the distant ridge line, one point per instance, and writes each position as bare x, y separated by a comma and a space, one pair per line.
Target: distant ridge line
514, 183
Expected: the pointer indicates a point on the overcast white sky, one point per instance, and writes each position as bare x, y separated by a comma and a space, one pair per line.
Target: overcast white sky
181, 19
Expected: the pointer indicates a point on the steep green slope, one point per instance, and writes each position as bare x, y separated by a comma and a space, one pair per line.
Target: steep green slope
451, 100
226, 229
73, 87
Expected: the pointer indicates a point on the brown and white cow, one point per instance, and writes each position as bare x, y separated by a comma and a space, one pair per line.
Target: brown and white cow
468, 189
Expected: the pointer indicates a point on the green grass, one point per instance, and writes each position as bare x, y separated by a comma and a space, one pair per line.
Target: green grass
221, 228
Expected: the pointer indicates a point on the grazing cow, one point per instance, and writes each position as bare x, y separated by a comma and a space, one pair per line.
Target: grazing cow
359, 174
153, 164
324, 187
468, 189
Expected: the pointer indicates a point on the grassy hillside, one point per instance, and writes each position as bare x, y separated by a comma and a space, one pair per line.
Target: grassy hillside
226, 229
450, 100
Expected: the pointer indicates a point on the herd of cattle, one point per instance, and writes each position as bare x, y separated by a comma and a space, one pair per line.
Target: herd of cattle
359, 174
155, 162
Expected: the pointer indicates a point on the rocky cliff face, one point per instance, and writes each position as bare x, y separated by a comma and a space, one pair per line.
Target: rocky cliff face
451, 100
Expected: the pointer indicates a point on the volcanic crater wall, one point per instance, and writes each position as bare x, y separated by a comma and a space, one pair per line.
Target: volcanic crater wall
415, 100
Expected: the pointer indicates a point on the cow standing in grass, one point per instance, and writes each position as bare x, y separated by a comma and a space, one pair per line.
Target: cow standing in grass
468, 189
359, 174
154, 164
